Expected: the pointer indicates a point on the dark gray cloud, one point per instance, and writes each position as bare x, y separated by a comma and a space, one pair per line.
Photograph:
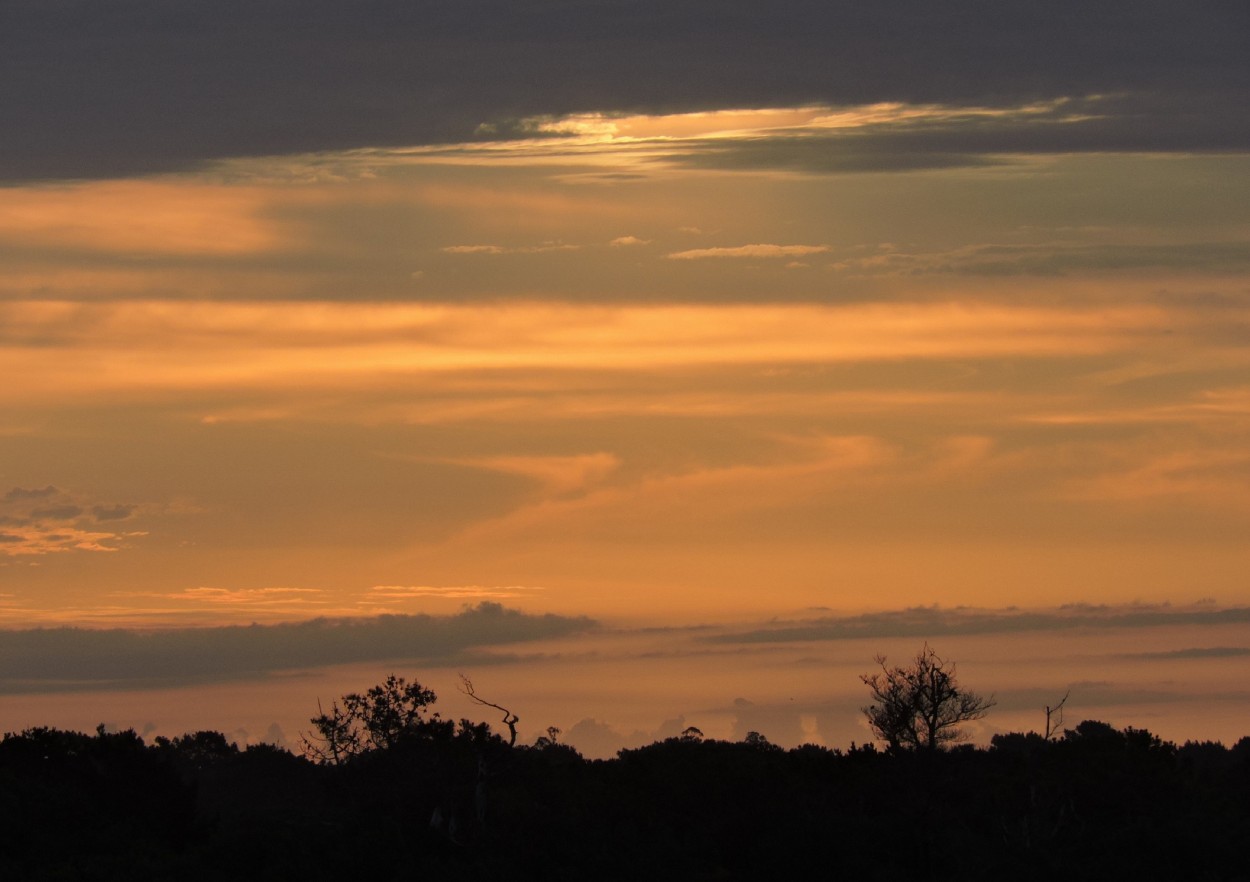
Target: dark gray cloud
950, 140
112, 512
57, 512
62, 659
18, 494
926, 622
93, 88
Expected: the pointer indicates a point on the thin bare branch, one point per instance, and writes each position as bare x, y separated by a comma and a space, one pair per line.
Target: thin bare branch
509, 718
1054, 716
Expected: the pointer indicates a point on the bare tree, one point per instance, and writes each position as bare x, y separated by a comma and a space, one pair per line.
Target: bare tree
1054, 716
921, 706
509, 718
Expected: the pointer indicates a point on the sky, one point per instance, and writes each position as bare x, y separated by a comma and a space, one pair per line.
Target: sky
655, 364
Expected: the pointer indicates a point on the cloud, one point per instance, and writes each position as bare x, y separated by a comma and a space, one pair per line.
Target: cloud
555, 474
109, 89
112, 512
473, 249
38, 541
1192, 653
347, 346
252, 598
600, 740
57, 513
18, 494
625, 241
925, 622
383, 594
1059, 258
167, 218
48, 520
740, 251
498, 249
899, 137
62, 659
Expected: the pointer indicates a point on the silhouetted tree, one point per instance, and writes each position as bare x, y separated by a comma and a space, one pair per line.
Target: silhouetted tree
198, 749
551, 739
378, 719
920, 706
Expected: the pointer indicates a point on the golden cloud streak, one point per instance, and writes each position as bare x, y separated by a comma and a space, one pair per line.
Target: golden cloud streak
402, 593
26, 541
749, 251
145, 217
151, 346
588, 138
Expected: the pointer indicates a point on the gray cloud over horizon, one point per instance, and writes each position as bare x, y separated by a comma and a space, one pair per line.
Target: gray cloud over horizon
99, 88
71, 659
925, 622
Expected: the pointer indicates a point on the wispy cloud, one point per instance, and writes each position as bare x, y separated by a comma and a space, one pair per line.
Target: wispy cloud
516, 249
300, 345
385, 594
1053, 258
171, 218
749, 251
555, 474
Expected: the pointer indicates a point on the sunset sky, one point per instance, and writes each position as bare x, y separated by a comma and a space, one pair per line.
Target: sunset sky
664, 361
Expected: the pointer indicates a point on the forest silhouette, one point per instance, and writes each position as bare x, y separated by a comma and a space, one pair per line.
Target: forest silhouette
384, 788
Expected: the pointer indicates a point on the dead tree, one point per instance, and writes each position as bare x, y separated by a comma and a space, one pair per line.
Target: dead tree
1054, 716
509, 718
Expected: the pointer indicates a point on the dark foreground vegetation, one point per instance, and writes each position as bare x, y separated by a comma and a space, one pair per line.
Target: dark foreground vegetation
417, 797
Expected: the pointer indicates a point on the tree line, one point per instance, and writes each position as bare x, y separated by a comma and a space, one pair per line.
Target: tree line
385, 788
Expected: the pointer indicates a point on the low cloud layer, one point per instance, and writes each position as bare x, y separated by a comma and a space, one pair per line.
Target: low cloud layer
927, 622
66, 659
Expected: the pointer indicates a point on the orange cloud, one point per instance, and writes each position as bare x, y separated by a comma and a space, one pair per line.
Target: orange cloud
766, 251
138, 348
140, 217
556, 474
668, 504
388, 594
1207, 478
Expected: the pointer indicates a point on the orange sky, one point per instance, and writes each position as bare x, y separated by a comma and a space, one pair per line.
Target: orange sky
629, 370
